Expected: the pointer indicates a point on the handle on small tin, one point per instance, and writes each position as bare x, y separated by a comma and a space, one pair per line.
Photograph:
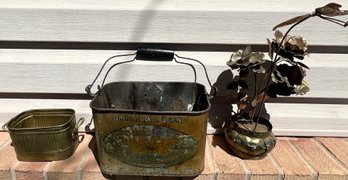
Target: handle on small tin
80, 122
75, 132
4, 127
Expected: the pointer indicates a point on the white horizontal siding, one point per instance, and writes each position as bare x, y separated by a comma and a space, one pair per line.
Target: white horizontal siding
309, 119
197, 21
167, 5
294, 120
181, 22
69, 71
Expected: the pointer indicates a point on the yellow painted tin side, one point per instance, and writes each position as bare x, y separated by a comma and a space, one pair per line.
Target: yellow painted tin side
188, 128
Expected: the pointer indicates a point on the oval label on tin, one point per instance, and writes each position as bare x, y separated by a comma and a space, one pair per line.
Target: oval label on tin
150, 146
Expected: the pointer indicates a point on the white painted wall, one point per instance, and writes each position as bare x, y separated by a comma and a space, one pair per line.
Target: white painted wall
180, 21
227, 22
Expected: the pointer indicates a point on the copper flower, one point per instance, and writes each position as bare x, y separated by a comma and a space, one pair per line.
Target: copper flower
291, 46
245, 59
288, 79
301, 89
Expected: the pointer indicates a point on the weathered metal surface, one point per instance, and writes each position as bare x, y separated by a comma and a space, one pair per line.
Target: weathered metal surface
250, 144
44, 134
151, 128
150, 146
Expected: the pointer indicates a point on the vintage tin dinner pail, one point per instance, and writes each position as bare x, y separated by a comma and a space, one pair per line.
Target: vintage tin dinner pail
151, 128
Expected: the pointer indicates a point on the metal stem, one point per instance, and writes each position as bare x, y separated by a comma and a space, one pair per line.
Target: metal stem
275, 60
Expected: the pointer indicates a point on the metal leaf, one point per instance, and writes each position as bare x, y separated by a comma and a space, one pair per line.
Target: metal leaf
233, 85
303, 65
331, 9
333, 6
244, 72
291, 21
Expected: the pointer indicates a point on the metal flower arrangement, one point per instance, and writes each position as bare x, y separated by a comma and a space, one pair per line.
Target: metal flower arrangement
247, 133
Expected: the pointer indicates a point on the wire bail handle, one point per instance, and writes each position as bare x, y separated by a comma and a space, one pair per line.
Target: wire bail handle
150, 54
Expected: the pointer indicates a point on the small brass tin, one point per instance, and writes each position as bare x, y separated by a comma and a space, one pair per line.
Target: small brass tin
44, 134
151, 128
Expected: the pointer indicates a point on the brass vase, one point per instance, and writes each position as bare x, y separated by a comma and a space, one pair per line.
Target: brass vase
249, 143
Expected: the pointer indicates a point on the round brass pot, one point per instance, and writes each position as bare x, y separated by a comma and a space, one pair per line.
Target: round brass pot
248, 144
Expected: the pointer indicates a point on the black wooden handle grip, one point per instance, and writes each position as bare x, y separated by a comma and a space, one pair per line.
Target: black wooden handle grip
150, 54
